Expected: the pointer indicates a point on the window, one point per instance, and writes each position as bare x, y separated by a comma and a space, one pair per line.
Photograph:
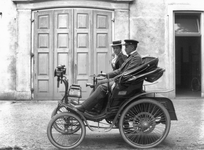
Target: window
187, 24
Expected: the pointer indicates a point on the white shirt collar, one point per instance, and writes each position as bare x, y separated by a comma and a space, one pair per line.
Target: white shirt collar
133, 52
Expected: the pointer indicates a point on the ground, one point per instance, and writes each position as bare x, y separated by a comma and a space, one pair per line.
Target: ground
23, 126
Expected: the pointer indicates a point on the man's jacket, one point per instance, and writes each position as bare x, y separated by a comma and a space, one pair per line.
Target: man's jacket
131, 62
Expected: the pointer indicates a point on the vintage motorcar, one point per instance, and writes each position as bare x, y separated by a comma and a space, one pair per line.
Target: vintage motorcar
143, 118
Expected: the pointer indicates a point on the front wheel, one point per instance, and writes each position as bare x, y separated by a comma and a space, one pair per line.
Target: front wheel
58, 110
144, 123
73, 130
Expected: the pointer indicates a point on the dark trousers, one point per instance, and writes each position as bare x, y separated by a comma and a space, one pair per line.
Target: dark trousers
96, 96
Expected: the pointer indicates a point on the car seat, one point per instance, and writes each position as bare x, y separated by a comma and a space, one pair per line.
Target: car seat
131, 82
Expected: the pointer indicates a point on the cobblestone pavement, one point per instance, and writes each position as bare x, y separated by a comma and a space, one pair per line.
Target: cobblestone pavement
23, 126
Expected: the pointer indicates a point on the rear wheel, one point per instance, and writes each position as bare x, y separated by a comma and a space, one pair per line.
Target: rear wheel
144, 123
72, 130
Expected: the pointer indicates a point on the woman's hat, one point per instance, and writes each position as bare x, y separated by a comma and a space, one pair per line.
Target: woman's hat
116, 43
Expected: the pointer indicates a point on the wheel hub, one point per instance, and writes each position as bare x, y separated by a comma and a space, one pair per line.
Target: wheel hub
144, 122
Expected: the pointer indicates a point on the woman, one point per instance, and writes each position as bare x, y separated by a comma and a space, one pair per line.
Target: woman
119, 57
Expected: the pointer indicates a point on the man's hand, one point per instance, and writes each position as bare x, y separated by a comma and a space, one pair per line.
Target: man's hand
102, 74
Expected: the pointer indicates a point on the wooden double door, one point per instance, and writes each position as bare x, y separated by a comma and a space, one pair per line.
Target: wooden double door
77, 38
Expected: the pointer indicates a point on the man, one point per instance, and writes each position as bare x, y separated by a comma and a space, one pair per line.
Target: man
119, 58
134, 60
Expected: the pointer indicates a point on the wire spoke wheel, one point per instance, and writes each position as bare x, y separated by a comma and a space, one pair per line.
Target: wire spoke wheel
144, 123
72, 130
57, 110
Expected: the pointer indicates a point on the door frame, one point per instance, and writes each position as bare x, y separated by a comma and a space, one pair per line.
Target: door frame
170, 44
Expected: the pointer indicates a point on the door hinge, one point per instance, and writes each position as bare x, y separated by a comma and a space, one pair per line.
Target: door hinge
32, 20
32, 55
32, 90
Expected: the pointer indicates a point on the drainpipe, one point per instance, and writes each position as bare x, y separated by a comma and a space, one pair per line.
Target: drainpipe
129, 20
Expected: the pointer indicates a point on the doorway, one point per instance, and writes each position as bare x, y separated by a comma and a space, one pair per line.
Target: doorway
188, 54
188, 66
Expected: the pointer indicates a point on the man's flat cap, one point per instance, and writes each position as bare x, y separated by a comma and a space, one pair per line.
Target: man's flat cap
130, 42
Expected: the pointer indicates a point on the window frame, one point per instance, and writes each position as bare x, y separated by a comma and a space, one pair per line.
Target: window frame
188, 33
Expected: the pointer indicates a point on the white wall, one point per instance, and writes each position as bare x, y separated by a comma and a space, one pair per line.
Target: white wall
8, 44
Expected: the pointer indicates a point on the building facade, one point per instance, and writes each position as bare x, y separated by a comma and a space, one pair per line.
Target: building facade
38, 35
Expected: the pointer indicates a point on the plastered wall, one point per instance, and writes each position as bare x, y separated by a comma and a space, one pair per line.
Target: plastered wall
8, 45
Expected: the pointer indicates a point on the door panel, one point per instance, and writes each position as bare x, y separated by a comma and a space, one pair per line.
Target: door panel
63, 47
82, 48
43, 57
102, 39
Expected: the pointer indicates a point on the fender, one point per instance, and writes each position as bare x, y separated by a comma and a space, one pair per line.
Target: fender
166, 102
72, 109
